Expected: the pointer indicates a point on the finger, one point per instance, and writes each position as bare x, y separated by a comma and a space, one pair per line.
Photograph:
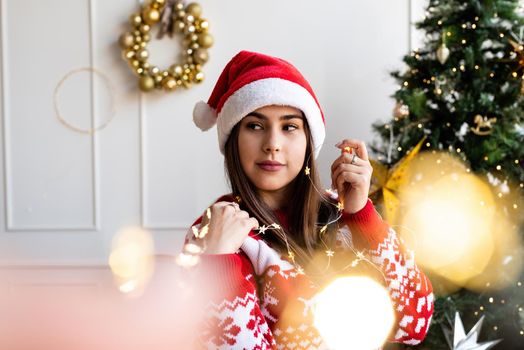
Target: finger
342, 168
346, 158
349, 178
360, 169
223, 204
357, 145
343, 158
355, 180
242, 214
252, 223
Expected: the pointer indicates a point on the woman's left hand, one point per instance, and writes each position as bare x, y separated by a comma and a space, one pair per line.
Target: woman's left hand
351, 175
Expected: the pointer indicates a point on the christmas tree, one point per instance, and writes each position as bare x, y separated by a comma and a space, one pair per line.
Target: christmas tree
463, 93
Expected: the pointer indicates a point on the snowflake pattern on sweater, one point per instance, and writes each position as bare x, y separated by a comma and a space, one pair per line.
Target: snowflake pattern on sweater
262, 302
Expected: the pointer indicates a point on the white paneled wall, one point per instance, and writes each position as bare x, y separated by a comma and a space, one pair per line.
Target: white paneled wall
66, 193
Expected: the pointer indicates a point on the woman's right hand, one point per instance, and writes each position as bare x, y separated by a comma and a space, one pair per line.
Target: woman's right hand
228, 228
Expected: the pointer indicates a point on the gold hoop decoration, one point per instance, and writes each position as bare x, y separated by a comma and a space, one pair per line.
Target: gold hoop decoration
57, 109
174, 17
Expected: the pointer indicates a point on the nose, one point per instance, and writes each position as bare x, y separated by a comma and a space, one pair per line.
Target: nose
272, 142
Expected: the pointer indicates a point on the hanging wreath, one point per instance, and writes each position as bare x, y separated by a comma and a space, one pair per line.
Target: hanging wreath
174, 17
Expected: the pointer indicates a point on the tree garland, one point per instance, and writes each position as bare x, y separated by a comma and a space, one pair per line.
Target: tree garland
174, 17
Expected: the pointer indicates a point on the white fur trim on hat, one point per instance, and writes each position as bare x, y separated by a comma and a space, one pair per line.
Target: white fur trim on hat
265, 92
204, 116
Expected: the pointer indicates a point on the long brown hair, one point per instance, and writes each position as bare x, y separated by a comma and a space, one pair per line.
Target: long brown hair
309, 212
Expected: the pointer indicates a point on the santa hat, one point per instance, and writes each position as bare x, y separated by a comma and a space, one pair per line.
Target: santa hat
250, 81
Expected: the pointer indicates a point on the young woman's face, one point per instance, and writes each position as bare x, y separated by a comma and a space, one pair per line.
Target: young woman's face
272, 146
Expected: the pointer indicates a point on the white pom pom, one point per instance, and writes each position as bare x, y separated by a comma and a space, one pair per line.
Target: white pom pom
204, 116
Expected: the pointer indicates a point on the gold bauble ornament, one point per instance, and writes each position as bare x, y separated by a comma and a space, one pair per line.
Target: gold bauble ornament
142, 54
146, 83
194, 9
129, 54
154, 70
205, 40
190, 29
144, 28
442, 53
158, 78
151, 15
135, 19
200, 56
126, 40
169, 83
199, 77
202, 26
176, 70
179, 6
179, 26
157, 4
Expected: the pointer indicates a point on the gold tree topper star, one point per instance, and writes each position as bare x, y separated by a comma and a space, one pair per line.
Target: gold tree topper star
386, 182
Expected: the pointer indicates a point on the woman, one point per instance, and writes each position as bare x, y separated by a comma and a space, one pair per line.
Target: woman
270, 244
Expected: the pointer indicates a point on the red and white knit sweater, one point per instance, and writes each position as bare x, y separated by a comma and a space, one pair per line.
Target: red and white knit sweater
261, 302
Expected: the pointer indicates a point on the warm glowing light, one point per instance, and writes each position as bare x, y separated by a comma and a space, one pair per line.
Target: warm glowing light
187, 260
444, 212
354, 312
458, 228
128, 287
131, 259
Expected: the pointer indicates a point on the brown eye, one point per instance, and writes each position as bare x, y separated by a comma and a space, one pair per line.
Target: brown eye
290, 127
254, 126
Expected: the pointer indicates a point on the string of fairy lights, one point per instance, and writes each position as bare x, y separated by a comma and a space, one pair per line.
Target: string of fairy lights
195, 245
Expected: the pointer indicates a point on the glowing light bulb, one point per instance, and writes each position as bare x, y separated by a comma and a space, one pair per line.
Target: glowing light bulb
354, 312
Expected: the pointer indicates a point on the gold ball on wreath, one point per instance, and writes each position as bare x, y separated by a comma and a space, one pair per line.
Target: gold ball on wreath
200, 56
151, 15
205, 40
146, 83
194, 9
135, 19
179, 26
186, 21
169, 83
126, 40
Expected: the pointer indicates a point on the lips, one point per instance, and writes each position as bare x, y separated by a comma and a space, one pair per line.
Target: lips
270, 165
